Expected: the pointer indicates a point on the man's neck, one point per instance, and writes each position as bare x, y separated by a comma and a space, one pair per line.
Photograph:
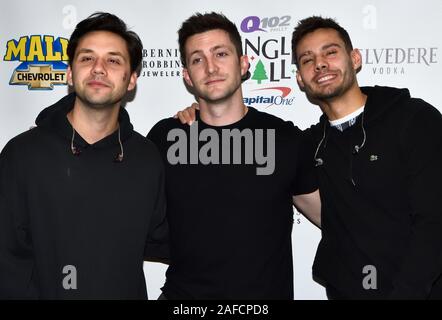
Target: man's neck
339, 107
223, 113
93, 124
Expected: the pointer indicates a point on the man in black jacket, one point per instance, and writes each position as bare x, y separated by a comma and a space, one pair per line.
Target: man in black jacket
82, 194
378, 158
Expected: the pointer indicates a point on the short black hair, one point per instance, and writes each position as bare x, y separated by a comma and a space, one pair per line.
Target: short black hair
102, 21
199, 23
313, 23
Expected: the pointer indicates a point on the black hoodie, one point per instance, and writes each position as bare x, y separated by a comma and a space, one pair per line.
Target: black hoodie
82, 222
382, 205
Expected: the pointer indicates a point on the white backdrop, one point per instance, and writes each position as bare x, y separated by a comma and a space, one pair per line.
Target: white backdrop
400, 43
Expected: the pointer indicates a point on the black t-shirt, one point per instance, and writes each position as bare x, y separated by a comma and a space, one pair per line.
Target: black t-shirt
230, 227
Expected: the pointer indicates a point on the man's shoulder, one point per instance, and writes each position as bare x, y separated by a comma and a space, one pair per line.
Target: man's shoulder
268, 117
159, 132
167, 124
270, 121
20, 145
28, 137
417, 105
414, 112
144, 142
162, 127
419, 115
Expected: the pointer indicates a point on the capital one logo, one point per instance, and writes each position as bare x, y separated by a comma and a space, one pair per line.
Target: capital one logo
278, 97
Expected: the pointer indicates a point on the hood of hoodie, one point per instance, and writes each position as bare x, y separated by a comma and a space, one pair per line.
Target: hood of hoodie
54, 119
379, 101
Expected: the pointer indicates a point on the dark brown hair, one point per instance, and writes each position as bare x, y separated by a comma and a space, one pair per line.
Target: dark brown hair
313, 23
101, 21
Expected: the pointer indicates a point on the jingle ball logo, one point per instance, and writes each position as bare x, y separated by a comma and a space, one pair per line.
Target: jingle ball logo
267, 44
42, 61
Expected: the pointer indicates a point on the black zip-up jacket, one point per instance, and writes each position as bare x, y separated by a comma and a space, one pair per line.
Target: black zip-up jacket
382, 205
79, 226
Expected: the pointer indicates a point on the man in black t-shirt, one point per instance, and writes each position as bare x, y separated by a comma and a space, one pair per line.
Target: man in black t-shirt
231, 178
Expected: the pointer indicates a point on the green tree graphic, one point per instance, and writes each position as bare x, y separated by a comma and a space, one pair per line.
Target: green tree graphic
260, 72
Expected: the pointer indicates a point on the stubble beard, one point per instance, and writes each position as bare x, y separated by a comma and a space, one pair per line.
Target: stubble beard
349, 79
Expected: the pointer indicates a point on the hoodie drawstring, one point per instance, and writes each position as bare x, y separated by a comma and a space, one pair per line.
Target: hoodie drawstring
319, 161
77, 151
356, 150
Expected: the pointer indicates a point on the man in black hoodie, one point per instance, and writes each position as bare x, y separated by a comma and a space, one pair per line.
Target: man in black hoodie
378, 158
82, 194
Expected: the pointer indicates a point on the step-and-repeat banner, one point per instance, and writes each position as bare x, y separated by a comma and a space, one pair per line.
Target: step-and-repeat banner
400, 43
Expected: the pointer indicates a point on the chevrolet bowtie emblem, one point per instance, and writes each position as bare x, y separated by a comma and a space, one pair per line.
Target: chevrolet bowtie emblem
373, 157
39, 77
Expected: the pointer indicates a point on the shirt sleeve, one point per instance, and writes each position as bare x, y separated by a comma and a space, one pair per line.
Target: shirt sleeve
306, 180
157, 245
16, 258
422, 264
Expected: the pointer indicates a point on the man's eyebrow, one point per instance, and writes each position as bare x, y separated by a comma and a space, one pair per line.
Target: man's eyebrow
221, 46
194, 52
324, 47
329, 45
306, 53
84, 50
111, 53
117, 53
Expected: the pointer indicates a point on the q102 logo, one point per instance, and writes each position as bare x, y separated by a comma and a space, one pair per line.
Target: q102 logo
253, 23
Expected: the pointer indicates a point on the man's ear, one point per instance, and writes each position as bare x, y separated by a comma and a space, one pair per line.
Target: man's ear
299, 80
244, 64
132, 81
69, 76
356, 59
187, 77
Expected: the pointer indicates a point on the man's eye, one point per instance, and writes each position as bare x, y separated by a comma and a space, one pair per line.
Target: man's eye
331, 52
85, 58
305, 61
114, 61
196, 60
221, 54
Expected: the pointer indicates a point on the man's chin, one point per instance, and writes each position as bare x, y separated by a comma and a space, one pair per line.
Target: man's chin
324, 94
214, 98
99, 103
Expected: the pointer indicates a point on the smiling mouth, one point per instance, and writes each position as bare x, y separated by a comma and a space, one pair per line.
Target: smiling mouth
325, 79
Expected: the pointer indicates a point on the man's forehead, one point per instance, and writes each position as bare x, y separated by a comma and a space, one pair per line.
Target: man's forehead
209, 39
319, 39
102, 40
321, 36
